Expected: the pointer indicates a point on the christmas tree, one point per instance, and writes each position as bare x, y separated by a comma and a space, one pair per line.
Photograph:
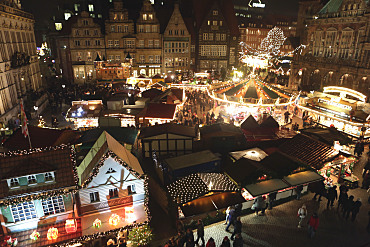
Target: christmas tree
41, 122
140, 236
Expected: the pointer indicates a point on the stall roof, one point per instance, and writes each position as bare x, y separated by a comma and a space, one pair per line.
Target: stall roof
192, 159
220, 127
266, 187
158, 110
121, 134
327, 135
249, 123
244, 171
255, 154
167, 128
303, 178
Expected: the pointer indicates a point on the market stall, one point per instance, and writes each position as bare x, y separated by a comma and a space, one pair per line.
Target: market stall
85, 114
340, 170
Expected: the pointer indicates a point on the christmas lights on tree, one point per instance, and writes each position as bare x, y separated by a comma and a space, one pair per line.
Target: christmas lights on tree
41, 123
140, 236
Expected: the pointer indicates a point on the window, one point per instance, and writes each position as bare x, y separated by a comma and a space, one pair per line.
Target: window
31, 179
217, 37
151, 58
147, 28
214, 23
14, 182
97, 42
210, 36
205, 36
94, 197
58, 26
113, 193
85, 22
91, 7
48, 176
116, 43
150, 43
182, 32
87, 32
157, 58
100, 16
119, 29
110, 43
118, 57
142, 59
223, 37
176, 32
77, 6
220, 23
131, 189
154, 28
67, 16
145, 17
150, 16
77, 32
95, 32
141, 28
53, 205
215, 12
110, 170
141, 43
169, 32
112, 28
23, 211
209, 22
156, 43
111, 57
130, 43
125, 28
87, 42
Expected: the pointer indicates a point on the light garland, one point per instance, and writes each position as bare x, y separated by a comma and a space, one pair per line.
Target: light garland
52, 233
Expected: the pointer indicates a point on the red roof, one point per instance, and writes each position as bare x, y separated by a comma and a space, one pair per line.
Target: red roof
164, 111
57, 160
40, 138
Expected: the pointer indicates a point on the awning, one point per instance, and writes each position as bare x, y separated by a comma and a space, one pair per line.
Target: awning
303, 178
266, 187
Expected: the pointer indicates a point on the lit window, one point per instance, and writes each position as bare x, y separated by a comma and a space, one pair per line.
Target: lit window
116, 43
77, 6
94, 197
67, 15
91, 7
58, 26
14, 182
150, 16
113, 193
100, 16
214, 23
215, 12
31, 179
118, 57
53, 205
209, 23
145, 17
220, 23
110, 170
48, 176
23, 211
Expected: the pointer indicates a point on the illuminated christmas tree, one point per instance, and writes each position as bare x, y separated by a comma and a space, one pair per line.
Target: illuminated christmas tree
41, 123
140, 236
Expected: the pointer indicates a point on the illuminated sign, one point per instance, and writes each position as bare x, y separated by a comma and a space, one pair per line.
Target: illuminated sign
336, 104
258, 5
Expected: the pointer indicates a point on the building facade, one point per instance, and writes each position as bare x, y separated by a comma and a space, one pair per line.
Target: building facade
86, 42
148, 60
176, 44
19, 63
338, 53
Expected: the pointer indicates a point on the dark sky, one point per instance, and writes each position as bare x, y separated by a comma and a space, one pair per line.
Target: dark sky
282, 7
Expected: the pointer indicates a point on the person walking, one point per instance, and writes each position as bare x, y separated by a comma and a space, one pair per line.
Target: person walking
313, 224
225, 242
189, 238
366, 167
272, 199
227, 215
200, 232
302, 213
232, 218
332, 196
319, 190
238, 209
259, 204
238, 241
211, 243
356, 208
298, 190
343, 197
237, 228
347, 207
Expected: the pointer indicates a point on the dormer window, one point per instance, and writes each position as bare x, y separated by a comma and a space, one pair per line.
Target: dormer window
150, 16
215, 12
145, 17
14, 182
48, 176
110, 170
31, 179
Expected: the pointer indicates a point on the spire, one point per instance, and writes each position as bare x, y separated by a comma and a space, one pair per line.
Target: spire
97, 59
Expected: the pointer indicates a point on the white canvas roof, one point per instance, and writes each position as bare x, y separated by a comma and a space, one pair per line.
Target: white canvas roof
266, 187
255, 154
303, 178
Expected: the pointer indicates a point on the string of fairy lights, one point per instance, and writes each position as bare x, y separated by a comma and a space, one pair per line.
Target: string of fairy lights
196, 185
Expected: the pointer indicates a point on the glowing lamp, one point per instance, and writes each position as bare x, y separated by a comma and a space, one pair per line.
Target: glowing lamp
52, 233
114, 220
97, 223
34, 235
71, 226
129, 214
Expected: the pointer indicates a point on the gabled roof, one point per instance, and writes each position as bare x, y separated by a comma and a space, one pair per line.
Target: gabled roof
220, 127
249, 123
59, 159
308, 150
40, 138
169, 128
270, 122
331, 7
158, 110
106, 146
327, 135
121, 134
151, 93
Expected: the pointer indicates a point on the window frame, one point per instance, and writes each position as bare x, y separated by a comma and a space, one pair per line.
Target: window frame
59, 203
94, 197
16, 208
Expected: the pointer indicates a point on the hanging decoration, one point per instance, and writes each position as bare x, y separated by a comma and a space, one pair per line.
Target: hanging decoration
52, 233
71, 226
35, 235
129, 214
114, 220
97, 223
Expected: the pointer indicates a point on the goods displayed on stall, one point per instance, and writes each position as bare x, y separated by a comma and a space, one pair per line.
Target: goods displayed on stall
340, 170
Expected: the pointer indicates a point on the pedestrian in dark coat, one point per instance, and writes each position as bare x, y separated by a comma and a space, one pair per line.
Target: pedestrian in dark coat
298, 190
347, 207
189, 237
200, 232
238, 241
320, 190
211, 243
225, 242
356, 208
237, 228
332, 196
366, 168
343, 197
272, 199
238, 209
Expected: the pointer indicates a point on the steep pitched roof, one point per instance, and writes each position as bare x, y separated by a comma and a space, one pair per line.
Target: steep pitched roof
270, 122
92, 161
249, 123
40, 138
158, 110
59, 159
121, 134
331, 7
172, 128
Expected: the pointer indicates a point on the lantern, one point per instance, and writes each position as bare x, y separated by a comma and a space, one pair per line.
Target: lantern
52, 233
71, 226
34, 235
114, 220
97, 223
129, 214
